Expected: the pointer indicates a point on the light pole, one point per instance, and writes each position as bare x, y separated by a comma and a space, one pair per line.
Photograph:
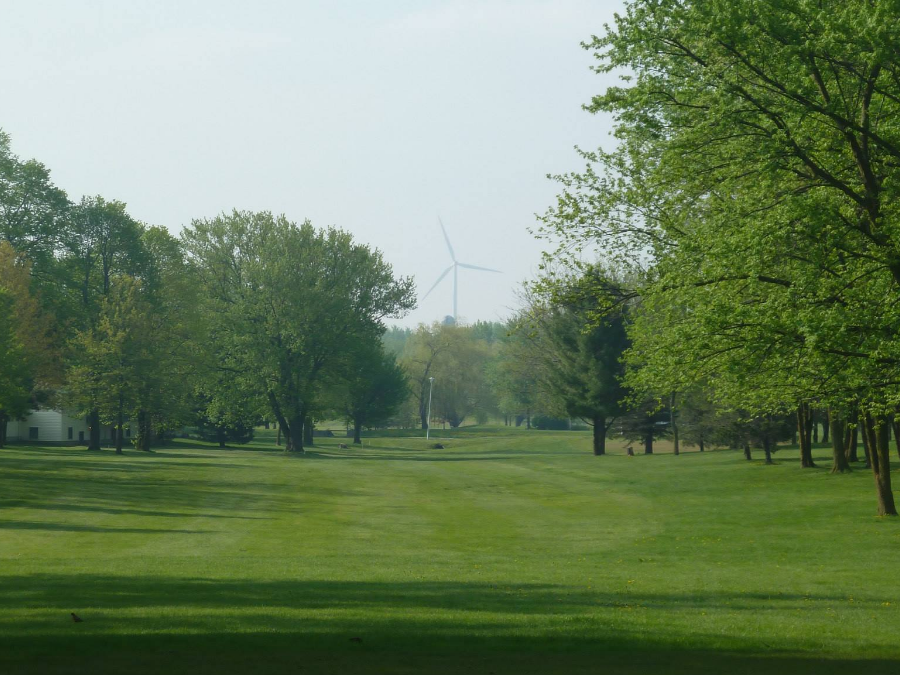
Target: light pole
428, 426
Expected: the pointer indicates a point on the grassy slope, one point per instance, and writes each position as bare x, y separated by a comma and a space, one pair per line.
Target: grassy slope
505, 553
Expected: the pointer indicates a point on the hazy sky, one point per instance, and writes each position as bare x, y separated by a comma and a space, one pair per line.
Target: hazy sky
376, 117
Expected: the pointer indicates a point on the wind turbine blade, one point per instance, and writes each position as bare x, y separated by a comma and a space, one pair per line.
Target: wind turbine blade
447, 239
480, 269
439, 280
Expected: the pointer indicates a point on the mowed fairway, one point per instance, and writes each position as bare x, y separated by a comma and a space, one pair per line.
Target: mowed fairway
506, 552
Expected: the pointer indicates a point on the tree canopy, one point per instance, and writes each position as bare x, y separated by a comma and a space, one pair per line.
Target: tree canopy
755, 184
287, 302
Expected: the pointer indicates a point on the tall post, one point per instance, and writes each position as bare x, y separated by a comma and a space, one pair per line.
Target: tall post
428, 426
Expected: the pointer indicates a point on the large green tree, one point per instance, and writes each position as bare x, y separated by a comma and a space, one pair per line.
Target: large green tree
578, 352
456, 356
101, 240
421, 352
286, 302
757, 173
176, 335
111, 359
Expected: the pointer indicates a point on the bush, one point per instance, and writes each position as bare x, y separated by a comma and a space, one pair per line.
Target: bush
550, 423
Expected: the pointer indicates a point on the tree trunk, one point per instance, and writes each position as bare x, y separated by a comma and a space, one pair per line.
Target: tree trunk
147, 433
423, 409
144, 431
767, 448
282, 422
701, 445
825, 428
851, 442
809, 430
876, 431
119, 430
94, 430
294, 434
357, 432
804, 431
528, 419
840, 464
747, 454
4, 420
867, 449
648, 443
139, 440
676, 449
599, 435
308, 432
815, 425
278, 436
895, 424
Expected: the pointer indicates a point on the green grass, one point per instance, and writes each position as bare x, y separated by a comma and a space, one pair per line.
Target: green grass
507, 552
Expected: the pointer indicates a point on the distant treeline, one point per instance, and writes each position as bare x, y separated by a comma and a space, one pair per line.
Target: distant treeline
245, 317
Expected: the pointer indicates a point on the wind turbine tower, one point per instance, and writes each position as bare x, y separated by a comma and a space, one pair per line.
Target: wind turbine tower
455, 269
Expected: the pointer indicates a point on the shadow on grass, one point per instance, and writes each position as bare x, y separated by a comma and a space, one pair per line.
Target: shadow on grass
378, 455
72, 527
153, 624
120, 592
103, 485
112, 510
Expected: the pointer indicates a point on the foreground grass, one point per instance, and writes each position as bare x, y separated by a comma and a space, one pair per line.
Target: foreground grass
507, 552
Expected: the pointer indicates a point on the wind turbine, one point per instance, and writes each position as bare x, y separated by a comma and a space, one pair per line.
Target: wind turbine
455, 268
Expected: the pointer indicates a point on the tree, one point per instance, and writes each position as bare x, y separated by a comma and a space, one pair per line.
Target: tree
175, 336
457, 359
419, 354
30, 366
581, 353
767, 430
223, 420
100, 242
514, 375
645, 422
112, 357
286, 302
373, 389
15, 381
32, 209
758, 173
460, 387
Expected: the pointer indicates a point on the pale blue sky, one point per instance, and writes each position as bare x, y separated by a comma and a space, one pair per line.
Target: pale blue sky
375, 117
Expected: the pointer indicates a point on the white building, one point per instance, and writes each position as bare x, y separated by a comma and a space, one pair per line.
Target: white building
55, 427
